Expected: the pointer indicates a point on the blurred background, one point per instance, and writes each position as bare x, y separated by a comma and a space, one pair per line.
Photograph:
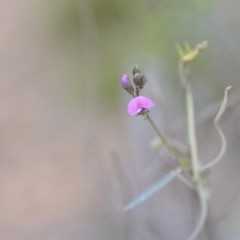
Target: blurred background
71, 157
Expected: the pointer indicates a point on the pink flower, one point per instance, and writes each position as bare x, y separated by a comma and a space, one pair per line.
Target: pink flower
139, 105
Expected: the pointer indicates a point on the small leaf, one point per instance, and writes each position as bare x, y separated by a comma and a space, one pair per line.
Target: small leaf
187, 47
179, 50
187, 53
153, 189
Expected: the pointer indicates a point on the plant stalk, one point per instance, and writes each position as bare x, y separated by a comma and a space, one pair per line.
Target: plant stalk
195, 163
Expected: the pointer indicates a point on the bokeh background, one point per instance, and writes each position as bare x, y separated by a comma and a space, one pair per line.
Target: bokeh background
71, 157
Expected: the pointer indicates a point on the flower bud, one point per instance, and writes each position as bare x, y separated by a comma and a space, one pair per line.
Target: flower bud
125, 81
126, 84
139, 80
136, 70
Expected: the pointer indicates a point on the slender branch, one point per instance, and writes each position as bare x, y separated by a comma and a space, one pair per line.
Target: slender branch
161, 135
195, 163
185, 180
203, 208
191, 123
219, 130
221, 153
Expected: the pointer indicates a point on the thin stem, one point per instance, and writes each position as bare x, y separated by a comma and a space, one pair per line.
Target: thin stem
202, 211
219, 130
161, 135
222, 150
185, 180
192, 133
183, 161
191, 122
195, 164
181, 73
137, 91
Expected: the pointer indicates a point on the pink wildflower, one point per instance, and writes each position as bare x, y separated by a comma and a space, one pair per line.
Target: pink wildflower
139, 105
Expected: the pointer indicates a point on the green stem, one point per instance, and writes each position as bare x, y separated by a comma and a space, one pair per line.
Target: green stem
192, 138
221, 135
161, 135
182, 161
222, 150
195, 163
192, 132
203, 208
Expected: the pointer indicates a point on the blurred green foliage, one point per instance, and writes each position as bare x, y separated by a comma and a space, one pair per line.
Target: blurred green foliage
105, 37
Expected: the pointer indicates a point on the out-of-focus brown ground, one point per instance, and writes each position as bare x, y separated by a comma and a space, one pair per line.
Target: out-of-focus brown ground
45, 185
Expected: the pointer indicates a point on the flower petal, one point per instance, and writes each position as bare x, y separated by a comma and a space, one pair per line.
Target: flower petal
145, 102
138, 105
133, 108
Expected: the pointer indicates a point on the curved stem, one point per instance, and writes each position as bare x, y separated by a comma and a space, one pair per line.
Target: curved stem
219, 130
222, 150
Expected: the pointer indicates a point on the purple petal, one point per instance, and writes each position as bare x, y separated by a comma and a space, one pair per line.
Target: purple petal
138, 105
132, 107
125, 80
145, 102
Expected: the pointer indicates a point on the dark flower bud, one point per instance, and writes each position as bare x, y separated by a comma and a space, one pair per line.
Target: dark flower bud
136, 70
139, 80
